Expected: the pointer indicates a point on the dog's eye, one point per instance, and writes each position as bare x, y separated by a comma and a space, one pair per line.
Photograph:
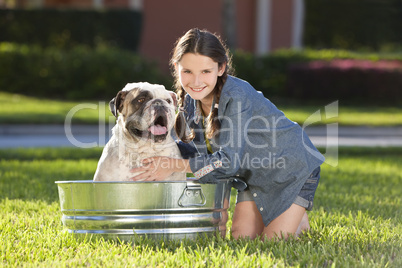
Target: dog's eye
141, 100
168, 101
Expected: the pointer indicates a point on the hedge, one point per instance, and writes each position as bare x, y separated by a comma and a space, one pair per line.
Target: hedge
291, 74
75, 74
84, 73
353, 80
66, 28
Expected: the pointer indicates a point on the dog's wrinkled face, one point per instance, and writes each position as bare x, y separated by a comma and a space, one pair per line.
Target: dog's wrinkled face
147, 110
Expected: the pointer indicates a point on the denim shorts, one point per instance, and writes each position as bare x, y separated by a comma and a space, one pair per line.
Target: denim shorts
304, 198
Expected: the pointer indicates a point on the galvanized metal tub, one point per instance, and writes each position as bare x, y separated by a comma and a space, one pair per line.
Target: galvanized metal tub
158, 210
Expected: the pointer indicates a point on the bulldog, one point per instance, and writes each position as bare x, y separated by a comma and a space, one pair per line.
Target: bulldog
145, 117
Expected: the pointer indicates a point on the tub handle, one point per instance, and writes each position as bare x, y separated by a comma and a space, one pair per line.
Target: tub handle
192, 196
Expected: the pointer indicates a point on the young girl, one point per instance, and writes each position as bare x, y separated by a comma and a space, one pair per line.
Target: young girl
228, 129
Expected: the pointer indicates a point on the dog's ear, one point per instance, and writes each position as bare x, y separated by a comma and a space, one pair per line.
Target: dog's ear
174, 97
116, 104
112, 107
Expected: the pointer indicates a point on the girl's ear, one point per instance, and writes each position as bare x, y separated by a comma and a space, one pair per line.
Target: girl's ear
222, 69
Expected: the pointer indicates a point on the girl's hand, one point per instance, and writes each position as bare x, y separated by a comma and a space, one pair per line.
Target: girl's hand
158, 168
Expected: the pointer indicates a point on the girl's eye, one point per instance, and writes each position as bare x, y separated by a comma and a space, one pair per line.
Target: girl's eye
187, 72
206, 71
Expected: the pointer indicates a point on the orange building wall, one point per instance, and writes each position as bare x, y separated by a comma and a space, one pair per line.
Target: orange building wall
281, 24
161, 29
245, 23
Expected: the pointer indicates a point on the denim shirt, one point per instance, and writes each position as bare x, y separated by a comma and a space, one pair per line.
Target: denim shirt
255, 143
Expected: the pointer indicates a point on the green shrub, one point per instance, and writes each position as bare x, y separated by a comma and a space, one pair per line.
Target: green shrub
97, 74
374, 81
271, 73
68, 28
76, 74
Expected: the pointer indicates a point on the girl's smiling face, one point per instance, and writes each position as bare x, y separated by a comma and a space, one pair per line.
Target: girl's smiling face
198, 76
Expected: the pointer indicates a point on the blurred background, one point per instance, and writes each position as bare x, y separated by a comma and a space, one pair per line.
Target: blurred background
305, 50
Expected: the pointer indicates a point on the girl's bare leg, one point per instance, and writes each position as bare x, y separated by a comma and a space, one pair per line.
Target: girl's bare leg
247, 222
285, 224
304, 225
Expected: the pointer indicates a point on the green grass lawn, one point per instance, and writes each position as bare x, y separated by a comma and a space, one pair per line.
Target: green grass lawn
19, 109
356, 220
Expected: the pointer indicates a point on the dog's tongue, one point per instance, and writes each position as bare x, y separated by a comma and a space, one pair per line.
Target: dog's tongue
158, 130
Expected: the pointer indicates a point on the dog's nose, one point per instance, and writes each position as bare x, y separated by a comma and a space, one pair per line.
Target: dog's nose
158, 106
157, 103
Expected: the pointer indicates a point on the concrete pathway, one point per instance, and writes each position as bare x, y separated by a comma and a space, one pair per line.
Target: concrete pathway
87, 136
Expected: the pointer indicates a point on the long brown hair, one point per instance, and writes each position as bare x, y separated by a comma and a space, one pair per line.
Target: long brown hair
207, 44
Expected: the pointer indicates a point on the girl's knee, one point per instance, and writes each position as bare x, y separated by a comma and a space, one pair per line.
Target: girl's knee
304, 225
287, 224
238, 231
247, 221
